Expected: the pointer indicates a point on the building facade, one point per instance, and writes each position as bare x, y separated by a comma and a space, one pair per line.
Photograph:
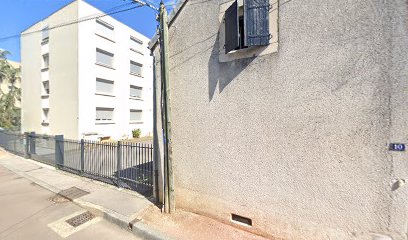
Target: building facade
289, 136
85, 80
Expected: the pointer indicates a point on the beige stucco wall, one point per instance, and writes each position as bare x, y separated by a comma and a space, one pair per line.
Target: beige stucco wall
63, 75
31, 81
63, 114
295, 140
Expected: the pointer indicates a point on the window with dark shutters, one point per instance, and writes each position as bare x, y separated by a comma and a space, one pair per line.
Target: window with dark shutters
231, 28
252, 30
256, 16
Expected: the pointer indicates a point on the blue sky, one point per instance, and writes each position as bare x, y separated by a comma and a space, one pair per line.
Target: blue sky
17, 15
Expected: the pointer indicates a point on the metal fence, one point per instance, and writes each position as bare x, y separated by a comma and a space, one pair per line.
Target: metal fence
124, 164
13, 142
41, 148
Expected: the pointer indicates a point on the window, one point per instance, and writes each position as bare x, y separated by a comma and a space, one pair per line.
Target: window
247, 25
136, 68
45, 34
135, 44
136, 91
45, 115
104, 114
46, 61
104, 29
136, 115
105, 58
104, 86
46, 87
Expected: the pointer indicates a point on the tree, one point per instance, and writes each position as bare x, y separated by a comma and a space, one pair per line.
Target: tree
10, 116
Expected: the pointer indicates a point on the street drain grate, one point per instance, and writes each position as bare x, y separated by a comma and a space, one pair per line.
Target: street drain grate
73, 193
80, 219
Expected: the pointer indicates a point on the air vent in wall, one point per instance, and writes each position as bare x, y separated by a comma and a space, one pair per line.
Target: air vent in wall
241, 220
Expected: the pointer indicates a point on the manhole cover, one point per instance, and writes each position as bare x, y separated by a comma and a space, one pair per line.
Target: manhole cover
80, 219
73, 193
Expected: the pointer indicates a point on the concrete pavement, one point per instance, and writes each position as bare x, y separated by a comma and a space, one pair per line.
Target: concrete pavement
29, 211
124, 208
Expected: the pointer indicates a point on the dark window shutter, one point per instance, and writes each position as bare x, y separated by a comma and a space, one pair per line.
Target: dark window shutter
256, 15
231, 28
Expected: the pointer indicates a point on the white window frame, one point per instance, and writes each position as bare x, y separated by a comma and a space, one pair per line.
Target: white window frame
43, 31
105, 120
135, 73
45, 93
137, 120
134, 40
45, 114
101, 51
44, 65
108, 33
106, 82
136, 87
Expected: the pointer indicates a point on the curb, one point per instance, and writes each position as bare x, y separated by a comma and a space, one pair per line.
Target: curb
132, 224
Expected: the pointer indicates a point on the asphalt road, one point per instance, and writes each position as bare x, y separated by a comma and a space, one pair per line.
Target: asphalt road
27, 211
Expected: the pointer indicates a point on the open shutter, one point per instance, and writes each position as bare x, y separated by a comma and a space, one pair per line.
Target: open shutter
256, 15
231, 28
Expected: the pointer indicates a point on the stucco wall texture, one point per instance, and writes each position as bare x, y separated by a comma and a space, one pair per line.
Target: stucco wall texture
295, 140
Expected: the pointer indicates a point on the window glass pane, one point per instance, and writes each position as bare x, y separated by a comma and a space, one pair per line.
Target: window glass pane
104, 29
103, 57
45, 33
136, 68
45, 114
136, 115
104, 86
46, 61
136, 91
46, 85
104, 114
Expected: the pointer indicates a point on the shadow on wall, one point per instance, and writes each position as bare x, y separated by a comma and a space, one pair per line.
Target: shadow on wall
223, 72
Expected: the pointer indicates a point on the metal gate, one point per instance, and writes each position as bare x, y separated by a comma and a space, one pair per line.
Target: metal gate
42, 148
125, 164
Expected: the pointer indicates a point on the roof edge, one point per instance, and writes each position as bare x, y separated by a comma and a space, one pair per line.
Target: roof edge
42, 19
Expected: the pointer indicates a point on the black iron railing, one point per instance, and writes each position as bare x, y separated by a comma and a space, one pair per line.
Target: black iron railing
124, 164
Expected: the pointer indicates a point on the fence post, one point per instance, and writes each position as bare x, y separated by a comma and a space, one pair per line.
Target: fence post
82, 156
32, 143
15, 143
27, 145
119, 161
59, 150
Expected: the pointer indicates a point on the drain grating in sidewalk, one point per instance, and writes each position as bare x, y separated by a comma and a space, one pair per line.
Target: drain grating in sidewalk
73, 193
80, 219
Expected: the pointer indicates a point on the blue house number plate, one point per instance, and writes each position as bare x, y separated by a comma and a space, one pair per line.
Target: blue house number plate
397, 147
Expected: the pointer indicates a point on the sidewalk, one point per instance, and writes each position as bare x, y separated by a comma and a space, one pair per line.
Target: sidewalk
125, 208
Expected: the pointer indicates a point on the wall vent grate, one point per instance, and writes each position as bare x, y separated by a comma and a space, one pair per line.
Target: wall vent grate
241, 220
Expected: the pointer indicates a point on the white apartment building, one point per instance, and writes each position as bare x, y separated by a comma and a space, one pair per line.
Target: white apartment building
87, 79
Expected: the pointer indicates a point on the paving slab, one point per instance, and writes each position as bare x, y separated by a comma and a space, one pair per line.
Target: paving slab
118, 205
28, 211
125, 208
